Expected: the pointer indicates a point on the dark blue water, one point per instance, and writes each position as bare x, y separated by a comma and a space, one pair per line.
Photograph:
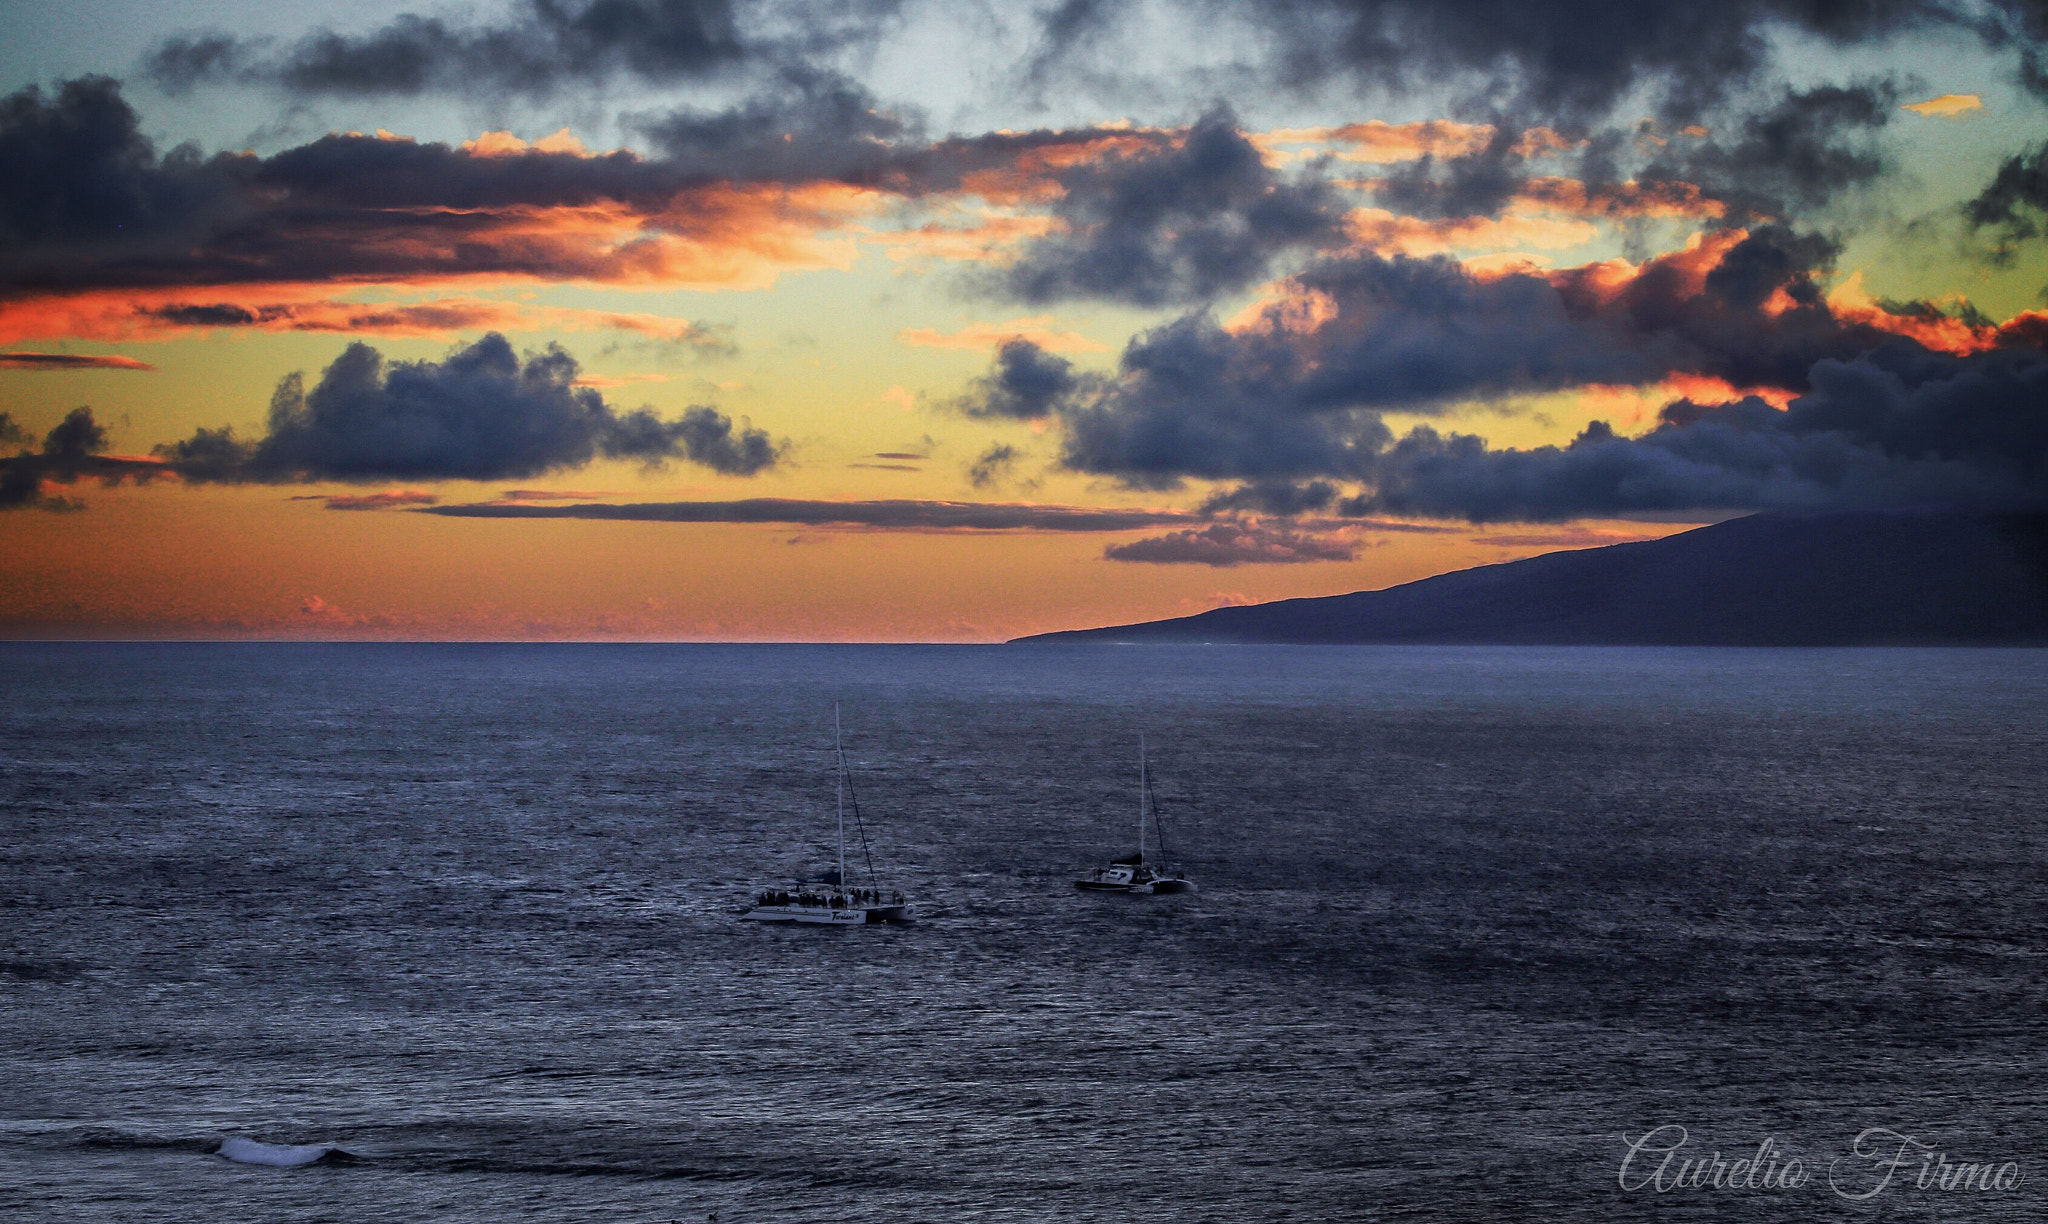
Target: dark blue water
1468, 918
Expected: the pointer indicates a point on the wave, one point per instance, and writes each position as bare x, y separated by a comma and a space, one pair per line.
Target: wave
109, 1138
282, 1155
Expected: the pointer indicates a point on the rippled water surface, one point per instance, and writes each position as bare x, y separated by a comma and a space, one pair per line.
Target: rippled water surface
1468, 917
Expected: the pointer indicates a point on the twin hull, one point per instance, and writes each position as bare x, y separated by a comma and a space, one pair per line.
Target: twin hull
817, 915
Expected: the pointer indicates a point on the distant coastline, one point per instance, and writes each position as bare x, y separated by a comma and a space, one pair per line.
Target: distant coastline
1857, 578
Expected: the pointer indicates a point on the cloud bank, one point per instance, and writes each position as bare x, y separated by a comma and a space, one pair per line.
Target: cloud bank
483, 413
892, 515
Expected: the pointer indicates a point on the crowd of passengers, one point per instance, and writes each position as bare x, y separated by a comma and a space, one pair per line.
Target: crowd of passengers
858, 896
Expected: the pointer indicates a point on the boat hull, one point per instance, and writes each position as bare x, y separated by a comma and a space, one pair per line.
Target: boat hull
1149, 888
817, 915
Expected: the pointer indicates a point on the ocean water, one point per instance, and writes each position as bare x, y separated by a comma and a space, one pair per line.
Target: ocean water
1471, 921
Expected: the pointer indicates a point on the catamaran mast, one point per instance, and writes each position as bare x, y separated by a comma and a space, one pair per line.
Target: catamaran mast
839, 756
1142, 788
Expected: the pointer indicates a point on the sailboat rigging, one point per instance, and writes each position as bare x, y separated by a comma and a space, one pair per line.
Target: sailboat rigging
1134, 873
835, 904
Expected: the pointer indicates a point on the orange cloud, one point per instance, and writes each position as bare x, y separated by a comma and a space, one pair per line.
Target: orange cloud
1947, 106
1684, 272
1638, 405
1629, 199
1930, 327
105, 315
505, 144
1537, 141
1376, 141
989, 336
1028, 177
1389, 233
983, 242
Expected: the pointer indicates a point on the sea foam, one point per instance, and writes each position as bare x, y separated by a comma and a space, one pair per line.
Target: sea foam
279, 1155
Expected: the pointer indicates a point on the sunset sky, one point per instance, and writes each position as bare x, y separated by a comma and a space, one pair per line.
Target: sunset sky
693, 319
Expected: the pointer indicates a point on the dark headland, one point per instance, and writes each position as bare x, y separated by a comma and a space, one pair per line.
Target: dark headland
1849, 578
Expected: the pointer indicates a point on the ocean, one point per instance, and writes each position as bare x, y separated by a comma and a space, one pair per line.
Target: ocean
1482, 934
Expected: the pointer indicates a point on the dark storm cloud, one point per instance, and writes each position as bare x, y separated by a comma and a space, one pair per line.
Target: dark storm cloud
86, 201
1274, 497
1066, 27
1175, 224
2012, 204
1230, 544
1274, 402
1795, 154
1027, 383
811, 124
1291, 404
1900, 426
481, 414
707, 436
77, 174
547, 46
1578, 60
1798, 154
71, 451
1480, 183
889, 515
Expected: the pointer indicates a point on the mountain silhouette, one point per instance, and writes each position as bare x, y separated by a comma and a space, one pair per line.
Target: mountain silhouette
1841, 578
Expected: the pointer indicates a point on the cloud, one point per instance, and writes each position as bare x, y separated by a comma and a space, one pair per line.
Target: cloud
1898, 426
1795, 153
1799, 153
2013, 201
1036, 329
707, 436
117, 315
380, 501
809, 124
887, 515
1184, 223
992, 465
1575, 62
732, 199
1947, 106
87, 203
1027, 383
1569, 537
1386, 233
1294, 391
72, 451
1231, 544
481, 414
1379, 142
543, 495
77, 176
1274, 497
544, 47
70, 361
1288, 399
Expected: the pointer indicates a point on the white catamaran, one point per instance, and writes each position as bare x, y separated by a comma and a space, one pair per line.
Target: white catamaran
1133, 874
834, 904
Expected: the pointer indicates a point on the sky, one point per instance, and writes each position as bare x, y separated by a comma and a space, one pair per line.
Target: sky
896, 321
